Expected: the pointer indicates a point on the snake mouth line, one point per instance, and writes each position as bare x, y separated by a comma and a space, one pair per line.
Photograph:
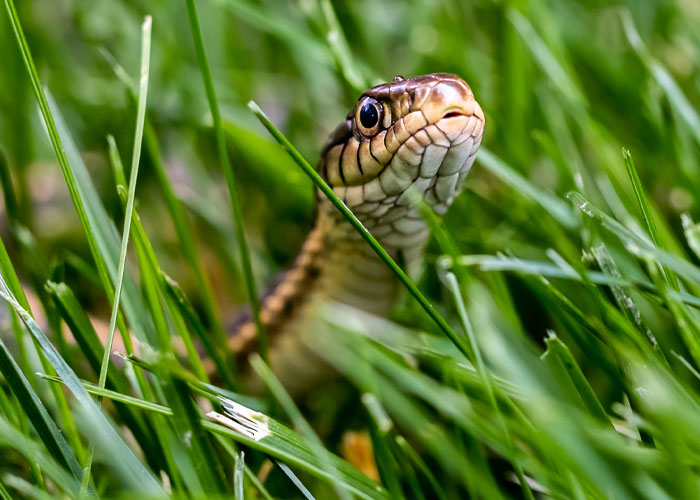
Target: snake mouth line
448, 116
452, 114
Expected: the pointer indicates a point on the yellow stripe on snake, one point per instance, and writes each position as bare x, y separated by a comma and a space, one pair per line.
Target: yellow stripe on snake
417, 135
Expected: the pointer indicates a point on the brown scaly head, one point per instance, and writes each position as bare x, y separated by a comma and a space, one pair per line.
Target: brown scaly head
420, 133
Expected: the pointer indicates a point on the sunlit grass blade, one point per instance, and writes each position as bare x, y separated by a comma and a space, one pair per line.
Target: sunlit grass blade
133, 176
138, 134
118, 397
271, 22
624, 302
674, 93
295, 480
645, 207
340, 48
561, 78
635, 244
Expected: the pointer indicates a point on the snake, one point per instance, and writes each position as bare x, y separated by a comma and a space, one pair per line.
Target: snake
412, 136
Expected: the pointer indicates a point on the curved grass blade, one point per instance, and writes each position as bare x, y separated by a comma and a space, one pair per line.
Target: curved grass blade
136, 155
175, 206
635, 244
122, 459
550, 270
138, 136
645, 207
101, 235
30, 403
91, 347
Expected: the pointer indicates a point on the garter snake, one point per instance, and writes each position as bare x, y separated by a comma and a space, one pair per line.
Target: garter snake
421, 133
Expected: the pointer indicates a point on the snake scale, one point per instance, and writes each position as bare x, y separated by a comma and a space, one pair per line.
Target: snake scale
420, 134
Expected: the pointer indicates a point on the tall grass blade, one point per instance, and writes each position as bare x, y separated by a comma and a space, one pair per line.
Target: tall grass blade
236, 209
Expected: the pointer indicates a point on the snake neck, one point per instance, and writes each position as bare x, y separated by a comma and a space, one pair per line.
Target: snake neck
334, 265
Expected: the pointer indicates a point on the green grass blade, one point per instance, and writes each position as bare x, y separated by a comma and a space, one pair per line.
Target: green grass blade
13, 283
646, 212
176, 209
453, 286
236, 209
8, 191
122, 459
634, 243
91, 347
553, 205
380, 429
187, 422
38, 415
557, 350
118, 397
99, 231
138, 135
294, 479
340, 48
143, 90
177, 298
238, 475
674, 93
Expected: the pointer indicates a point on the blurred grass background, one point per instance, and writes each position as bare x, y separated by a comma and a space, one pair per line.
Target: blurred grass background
565, 84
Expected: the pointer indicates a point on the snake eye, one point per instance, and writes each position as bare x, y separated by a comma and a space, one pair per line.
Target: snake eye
369, 116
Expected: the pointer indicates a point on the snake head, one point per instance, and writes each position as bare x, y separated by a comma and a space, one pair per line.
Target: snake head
421, 133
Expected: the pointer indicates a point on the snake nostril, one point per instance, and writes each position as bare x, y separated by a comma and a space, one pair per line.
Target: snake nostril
452, 114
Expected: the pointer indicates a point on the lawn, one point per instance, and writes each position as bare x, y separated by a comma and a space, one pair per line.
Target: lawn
154, 165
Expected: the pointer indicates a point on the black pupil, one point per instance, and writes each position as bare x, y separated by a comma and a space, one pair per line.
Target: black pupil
369, 116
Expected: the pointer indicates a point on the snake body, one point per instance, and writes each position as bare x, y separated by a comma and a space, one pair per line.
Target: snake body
418, 134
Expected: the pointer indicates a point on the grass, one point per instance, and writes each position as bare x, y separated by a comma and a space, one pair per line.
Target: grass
551, 347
